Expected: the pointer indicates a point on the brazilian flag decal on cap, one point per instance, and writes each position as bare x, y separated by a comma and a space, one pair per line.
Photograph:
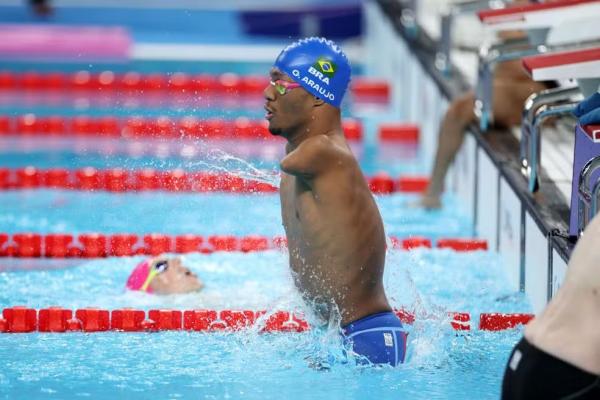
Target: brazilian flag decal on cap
325, 66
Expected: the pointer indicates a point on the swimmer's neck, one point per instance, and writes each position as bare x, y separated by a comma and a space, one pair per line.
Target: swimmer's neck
327, 124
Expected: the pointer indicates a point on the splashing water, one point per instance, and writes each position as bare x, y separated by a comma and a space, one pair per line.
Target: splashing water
221, 161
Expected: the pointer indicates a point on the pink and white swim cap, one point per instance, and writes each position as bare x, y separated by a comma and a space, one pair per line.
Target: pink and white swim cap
139, 275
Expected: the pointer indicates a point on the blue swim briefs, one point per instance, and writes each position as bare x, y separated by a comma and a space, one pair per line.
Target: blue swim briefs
380, 338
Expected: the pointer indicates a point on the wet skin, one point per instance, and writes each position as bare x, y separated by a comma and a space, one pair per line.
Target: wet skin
334, 230
176, 279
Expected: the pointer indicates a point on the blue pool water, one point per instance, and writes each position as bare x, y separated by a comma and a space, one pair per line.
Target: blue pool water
53, 211
442, 363
188, 155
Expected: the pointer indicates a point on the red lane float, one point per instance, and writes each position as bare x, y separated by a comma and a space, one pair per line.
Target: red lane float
93, 319
93, 245
460, 321
22, 319
122, 245
141, 128
118, 180
97, 245
368, 89
413, 243
284, 321
127, 320
57, 245
176, 83
498, 321
54, 319
399, 133
254, 243
87, 179
156, 244
165, 320
188, 243
412, 184
458, 244
56, 178
28, 178
27, 244
4, 178
381, 183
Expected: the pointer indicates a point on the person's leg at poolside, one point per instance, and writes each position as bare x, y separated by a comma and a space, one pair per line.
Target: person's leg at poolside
511, 89
452, 132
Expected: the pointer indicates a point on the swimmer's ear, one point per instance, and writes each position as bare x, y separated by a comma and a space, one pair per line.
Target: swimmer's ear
318, 101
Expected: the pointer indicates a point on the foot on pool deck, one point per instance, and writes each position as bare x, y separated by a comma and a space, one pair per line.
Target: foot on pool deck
427, 202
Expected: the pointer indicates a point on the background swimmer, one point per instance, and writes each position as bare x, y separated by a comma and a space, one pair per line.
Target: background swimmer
163, 275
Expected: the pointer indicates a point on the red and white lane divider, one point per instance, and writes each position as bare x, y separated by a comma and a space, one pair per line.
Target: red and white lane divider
97, 245
498, 321
21, 319
136, 128
175, 84
121, 180
398, 133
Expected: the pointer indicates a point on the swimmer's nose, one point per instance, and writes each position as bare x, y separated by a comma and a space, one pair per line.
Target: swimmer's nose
190, 273
269, 92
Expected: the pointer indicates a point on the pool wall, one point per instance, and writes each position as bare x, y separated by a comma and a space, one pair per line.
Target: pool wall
522, 229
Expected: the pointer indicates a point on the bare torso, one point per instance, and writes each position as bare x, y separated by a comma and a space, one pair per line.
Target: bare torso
569, 328
335, 237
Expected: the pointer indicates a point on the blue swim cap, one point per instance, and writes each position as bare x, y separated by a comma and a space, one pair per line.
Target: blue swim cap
319, 65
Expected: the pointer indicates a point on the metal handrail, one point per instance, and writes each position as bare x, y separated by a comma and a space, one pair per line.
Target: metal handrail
533, 103
588, 199
535, 143
489, 57
447, 21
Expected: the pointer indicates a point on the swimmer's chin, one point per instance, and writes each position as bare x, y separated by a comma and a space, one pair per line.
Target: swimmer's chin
275, 131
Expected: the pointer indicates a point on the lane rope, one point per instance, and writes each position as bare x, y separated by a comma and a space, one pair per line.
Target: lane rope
119, 180
137, 127
176, 83
21, 319
98, 245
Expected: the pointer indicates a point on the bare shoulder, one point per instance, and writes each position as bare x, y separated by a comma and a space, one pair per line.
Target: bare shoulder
326, 145
314, 155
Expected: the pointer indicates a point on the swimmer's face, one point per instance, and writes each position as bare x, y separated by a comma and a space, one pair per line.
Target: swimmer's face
176, 279
286, 112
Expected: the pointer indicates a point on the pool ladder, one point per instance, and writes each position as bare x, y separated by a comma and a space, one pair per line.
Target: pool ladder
538, 108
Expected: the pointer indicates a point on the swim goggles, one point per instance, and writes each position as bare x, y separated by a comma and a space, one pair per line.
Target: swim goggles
283, 87
155, 270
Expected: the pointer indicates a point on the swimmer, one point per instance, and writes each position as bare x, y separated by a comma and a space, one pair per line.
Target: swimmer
163, 275
334, 230
559, 356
